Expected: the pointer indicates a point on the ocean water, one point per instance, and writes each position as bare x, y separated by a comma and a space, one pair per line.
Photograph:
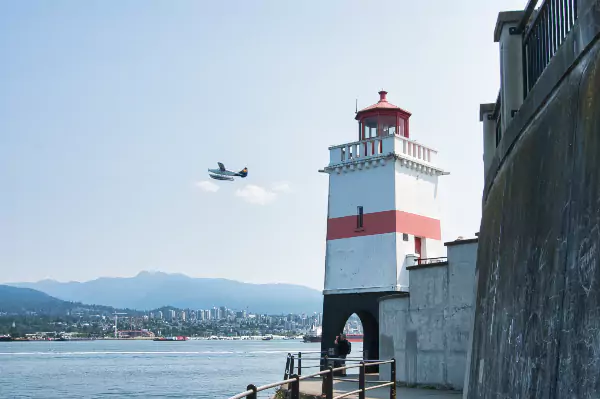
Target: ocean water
144, 369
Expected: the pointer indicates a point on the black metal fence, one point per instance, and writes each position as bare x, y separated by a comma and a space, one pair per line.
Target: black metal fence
543, 31
543, 35
293, 376
432, 261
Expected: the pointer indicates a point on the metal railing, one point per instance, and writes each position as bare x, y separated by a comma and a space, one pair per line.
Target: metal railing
543, 31
497, 116
543, 35
293, 376
431, 261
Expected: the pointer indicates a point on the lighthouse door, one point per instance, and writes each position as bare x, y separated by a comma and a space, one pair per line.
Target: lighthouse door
418, 247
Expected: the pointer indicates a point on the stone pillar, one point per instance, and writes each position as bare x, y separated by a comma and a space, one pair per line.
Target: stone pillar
489, 134
511, 64
411, 260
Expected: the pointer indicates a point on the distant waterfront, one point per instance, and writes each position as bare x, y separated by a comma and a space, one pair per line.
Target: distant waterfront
140, 368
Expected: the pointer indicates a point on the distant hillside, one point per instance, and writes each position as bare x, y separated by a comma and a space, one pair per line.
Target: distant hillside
19, 300
148, 291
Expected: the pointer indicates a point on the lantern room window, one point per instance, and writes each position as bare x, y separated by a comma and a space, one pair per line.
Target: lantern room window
382, 119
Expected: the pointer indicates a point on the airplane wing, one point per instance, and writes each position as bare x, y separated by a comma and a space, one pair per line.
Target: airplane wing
221, 166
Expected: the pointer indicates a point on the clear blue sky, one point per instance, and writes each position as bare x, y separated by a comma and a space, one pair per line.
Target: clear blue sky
111, 112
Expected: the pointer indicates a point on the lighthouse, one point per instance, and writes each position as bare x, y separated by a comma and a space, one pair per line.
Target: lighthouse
383, 215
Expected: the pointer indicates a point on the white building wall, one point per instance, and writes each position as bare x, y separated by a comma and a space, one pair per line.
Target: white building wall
416, 192
428, 331
356, 264
429, 248
372, 188
403, 248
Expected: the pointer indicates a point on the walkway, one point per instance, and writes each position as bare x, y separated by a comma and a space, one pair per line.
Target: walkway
313, 387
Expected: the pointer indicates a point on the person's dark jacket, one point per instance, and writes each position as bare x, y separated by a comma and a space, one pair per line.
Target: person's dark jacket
344, 347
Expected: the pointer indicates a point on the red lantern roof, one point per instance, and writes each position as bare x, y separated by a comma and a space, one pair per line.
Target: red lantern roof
381, 105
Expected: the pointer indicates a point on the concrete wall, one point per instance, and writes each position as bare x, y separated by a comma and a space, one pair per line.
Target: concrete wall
427, 332
537, 318
372, 188
416, 192
373, 263
361, 263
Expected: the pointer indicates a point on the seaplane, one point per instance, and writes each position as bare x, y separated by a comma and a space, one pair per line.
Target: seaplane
224, 174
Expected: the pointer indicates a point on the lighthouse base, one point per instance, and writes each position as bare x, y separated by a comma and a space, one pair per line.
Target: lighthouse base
337, 309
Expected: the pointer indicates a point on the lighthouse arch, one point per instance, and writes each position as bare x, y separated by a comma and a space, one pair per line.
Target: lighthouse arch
337, 309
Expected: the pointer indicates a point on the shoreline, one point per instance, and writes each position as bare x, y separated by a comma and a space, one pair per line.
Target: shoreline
150, 339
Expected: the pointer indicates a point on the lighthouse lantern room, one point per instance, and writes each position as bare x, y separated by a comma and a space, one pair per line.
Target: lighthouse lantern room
383, 215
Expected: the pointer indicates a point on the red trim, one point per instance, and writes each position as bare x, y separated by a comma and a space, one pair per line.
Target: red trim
383, 223
418, 247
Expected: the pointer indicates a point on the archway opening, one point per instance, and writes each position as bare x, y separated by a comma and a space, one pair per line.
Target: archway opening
341, 312
354, 333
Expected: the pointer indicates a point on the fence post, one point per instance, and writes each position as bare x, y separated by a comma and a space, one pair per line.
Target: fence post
295, 387
361, 381
253, 394
287, 367
291, 366
329, 384
299, 363
393, 379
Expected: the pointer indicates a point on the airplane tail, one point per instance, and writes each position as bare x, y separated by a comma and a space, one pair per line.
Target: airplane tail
243, 172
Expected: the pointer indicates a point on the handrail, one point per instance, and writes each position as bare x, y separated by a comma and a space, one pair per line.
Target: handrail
529, 9
327, 377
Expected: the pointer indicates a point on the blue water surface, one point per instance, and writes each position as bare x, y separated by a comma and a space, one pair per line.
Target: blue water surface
148, 369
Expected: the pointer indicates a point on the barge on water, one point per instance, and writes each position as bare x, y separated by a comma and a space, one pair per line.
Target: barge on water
315, 335
177, 338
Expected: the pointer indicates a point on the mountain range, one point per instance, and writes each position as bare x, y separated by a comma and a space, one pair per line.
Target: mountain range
152, 290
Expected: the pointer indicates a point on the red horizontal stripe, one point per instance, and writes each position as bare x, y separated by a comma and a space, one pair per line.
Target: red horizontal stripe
384, 223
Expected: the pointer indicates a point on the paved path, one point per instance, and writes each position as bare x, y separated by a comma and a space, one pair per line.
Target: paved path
313, 387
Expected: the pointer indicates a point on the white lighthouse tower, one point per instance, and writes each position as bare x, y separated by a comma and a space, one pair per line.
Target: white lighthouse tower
383, 216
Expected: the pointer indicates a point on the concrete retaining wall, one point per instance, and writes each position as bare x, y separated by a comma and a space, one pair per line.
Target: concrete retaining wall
538, 306
428, 331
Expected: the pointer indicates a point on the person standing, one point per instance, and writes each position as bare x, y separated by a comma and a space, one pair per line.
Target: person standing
343, 349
